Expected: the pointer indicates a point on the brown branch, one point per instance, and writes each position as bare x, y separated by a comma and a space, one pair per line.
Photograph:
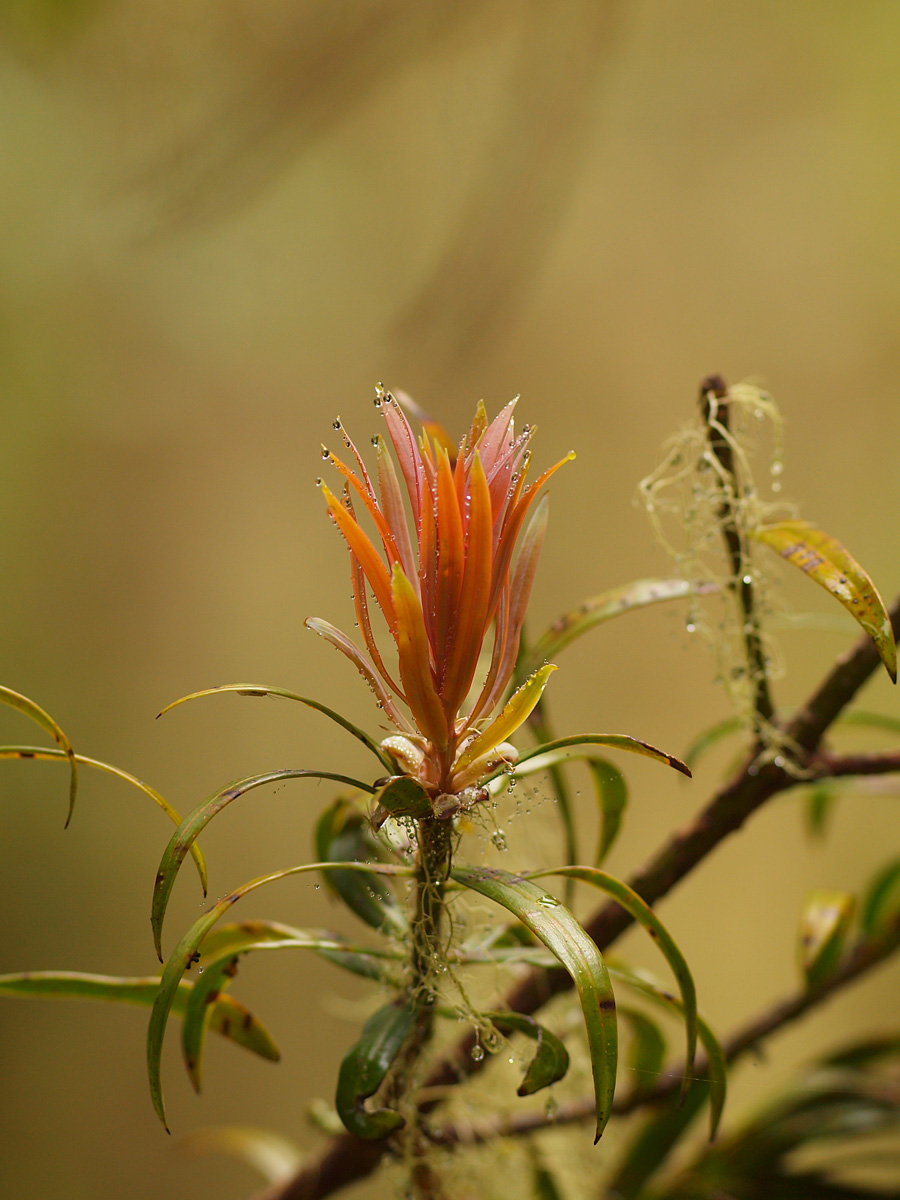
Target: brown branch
865, 956
346, 1158
714, 407
830, 766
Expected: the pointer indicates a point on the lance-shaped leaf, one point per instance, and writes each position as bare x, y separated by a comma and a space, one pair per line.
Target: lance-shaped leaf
640, 910
185, 954
879, 910
538, 758
227, 1016
561, 933
259, 689
44, 753
46, 722
365, 1066
194, 824
551, 1059
271, 1155
513, 714
716, 1066
343, 834
829, 564
219, 955
612, 797
601, 608
870, 720
819, 801
825, 922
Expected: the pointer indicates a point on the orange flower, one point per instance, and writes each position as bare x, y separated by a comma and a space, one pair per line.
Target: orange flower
442, 587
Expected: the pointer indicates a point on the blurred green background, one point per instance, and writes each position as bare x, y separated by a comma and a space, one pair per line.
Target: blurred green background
220, 224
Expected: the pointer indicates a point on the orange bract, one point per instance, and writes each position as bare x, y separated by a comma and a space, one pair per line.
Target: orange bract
442, 585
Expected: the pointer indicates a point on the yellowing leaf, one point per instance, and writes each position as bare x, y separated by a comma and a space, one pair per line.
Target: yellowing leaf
828, 563
824, 926
514, 713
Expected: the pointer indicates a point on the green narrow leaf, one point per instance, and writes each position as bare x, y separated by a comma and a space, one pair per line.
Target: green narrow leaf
539, 758
612, 797
258, 689
640, 910
365, 1066
716, 1067
601, 608
866, 1053
879, 911
219, 954
551, 1059
344, 834
647, 1051
46, 722
705, 741
824, 927
819, 802
44, 753
229, 1018
186, 951
832, 567
271, 1155
870, 720
561, 933
194, 824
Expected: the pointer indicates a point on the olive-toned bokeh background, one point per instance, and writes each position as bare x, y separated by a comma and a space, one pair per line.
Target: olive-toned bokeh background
222, 222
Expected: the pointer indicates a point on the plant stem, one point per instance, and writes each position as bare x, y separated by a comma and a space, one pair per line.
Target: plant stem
346, 1158
714, 407
426, 952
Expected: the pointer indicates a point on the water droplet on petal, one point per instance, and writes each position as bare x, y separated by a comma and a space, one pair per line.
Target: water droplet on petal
477, 1053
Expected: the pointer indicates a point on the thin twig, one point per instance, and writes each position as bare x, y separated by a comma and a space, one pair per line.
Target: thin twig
866, 956
345, 1158
828, 766
714, 407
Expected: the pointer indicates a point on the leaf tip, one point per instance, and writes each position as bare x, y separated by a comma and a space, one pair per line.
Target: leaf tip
680, 766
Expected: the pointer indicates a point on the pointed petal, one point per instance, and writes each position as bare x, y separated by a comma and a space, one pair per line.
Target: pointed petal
434, 429
513, 524
415, 664
473, 606
497, 436
407, 451
370, 501
519, 593
358, 580
514, 713
450, 563
369, 558
365, 667
479, 425
394, 512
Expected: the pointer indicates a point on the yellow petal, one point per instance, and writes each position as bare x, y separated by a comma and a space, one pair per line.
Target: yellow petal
515, 712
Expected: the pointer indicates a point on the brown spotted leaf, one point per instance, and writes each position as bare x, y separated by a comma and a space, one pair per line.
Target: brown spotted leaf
829, 564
